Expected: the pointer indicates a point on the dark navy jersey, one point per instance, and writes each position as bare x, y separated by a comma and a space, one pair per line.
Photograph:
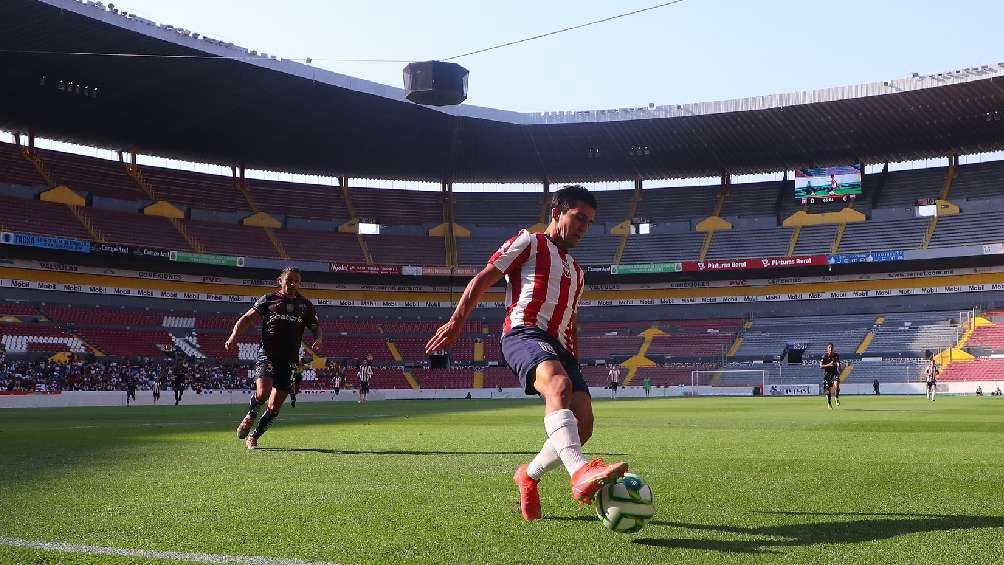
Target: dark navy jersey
283, 321
831, 372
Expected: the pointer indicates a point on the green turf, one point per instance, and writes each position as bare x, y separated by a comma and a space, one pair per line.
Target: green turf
878, 480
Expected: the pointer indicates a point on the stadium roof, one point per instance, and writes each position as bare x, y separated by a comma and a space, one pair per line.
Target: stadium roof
206, 101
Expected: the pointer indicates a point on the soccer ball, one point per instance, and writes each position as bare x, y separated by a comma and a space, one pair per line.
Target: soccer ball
625, 506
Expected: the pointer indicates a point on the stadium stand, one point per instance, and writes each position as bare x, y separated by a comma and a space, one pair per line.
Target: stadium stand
301, 203
45, 218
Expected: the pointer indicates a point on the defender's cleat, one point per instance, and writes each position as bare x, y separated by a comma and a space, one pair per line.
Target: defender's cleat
529, 498
245, 427
838, 403
251, 442
591, 477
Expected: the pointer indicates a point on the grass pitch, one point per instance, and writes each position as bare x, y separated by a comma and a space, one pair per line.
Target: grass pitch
752, 480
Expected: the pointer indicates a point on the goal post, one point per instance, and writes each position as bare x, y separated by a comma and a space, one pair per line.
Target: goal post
728, 382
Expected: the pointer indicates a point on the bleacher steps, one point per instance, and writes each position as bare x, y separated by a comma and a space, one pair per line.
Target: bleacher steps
793, 241
87, 223
189, 238
394, 352
276, 244
950, 175
865, 342
838, 238
639, 359
411, 380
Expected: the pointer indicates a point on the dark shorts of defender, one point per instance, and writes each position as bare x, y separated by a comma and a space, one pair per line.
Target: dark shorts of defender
830, 382
279, 370
524, 348
364, 387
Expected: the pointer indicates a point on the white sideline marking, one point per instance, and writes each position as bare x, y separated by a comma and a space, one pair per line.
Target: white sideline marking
150, 554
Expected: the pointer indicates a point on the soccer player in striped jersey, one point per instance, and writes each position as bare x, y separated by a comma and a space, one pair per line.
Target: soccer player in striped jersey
365, 374
543, 287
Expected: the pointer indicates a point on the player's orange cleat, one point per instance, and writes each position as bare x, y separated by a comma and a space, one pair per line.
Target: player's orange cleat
244, 427
529, 498
251, 442
591, 477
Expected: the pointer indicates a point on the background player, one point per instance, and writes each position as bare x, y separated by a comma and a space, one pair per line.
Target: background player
130, 388
831, 375
284, 314
336, 382
178, 385
365, 374
615, 380
543, 285
931, 372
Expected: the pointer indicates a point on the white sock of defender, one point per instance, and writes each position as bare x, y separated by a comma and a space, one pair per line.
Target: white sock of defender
546, 460
563, 435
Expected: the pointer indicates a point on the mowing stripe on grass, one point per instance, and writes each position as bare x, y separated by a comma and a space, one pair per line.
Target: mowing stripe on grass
150, 554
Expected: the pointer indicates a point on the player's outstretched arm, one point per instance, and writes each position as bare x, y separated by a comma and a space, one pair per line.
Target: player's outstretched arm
450, 331
242, 323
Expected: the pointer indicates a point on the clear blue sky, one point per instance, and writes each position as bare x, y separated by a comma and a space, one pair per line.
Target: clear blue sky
695, 51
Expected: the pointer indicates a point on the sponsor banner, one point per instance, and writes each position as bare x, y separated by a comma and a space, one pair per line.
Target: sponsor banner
993, 249
646, 268
45, 242
440, 271
206, 259
870, 257
132, 250
459, 287
755, 263
793, 390
364, 269
787, 297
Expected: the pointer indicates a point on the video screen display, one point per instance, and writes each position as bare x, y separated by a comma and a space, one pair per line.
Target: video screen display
828, 184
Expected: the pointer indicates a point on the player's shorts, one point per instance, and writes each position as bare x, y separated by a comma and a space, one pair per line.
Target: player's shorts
364, 387
615, 386
524, 348
931, 384
279, 370
828, 382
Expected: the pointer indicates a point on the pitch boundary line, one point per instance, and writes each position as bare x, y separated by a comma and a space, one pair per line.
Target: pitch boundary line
152, 554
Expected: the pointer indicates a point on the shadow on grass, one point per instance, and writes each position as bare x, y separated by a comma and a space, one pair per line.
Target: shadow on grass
402, 452
880, 527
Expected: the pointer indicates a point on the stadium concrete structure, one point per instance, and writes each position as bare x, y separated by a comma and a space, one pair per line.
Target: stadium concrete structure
123, 260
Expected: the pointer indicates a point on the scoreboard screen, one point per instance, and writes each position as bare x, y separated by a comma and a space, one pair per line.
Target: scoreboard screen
828, 184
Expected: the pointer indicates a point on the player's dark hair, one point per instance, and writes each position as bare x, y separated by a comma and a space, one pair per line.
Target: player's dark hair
287, 270
571, 195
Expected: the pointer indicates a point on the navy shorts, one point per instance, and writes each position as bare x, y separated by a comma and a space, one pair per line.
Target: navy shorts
278, 370
524, 348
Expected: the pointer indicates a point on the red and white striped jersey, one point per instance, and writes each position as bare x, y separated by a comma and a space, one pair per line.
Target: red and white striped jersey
543, 286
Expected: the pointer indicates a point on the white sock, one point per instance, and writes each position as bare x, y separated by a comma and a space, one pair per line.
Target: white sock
563, 436
546, 460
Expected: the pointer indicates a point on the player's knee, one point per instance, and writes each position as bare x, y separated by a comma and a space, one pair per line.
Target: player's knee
557, 386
